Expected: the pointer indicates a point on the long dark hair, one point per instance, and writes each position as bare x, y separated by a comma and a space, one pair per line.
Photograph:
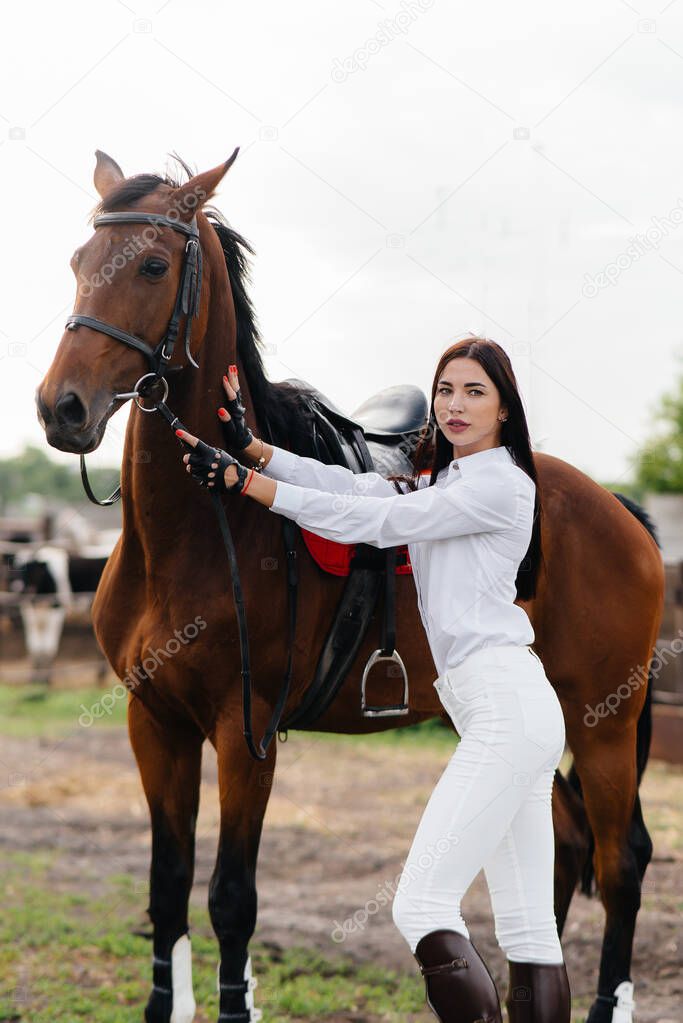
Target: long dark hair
435, 452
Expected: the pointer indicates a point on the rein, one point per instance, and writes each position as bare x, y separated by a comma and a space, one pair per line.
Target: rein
187, 304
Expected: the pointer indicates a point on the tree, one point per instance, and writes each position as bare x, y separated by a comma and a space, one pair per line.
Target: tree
659, 464
33, 472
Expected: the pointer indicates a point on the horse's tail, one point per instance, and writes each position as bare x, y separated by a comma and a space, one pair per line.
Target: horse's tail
644, 731
644, 726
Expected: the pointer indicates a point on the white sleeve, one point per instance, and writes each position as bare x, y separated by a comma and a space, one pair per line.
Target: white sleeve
483, 502
333, 479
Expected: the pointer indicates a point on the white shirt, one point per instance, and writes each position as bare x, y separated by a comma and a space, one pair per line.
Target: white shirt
466, 537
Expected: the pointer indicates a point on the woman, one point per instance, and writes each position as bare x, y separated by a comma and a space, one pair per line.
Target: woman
472, 526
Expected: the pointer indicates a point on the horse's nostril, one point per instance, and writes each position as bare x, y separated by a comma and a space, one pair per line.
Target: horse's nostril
70, 411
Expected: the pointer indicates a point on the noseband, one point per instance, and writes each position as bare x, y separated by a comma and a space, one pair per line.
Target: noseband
187, 297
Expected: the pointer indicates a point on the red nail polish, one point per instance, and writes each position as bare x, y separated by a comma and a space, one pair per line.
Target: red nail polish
225, 380
222, 412
178, 432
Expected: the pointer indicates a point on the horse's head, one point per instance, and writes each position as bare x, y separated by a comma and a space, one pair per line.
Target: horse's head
134, 278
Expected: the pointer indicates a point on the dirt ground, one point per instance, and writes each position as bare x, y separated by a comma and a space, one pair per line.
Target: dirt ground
339, 824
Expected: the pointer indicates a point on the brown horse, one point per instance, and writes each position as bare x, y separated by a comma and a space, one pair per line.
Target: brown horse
596, 614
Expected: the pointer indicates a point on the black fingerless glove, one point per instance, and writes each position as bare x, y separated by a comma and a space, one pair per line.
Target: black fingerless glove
205, 459
236, 433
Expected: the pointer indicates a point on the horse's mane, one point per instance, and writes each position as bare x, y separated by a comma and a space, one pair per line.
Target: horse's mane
275, 405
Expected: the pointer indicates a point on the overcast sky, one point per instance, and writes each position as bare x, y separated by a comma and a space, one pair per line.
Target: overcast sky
408, 172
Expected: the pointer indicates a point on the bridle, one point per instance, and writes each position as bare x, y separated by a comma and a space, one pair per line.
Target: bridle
186, 304
187, 296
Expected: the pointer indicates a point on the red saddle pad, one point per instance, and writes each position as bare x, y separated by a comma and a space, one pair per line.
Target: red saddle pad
335, 558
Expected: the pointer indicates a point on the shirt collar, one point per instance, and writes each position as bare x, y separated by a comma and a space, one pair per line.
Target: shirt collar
467, 464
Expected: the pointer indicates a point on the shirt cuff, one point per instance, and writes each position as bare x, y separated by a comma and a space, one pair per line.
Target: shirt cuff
281, 464
288, 499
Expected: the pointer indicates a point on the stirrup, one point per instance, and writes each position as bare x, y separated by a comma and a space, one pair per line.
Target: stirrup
394, 709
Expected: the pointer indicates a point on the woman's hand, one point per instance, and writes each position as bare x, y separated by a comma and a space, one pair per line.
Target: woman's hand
212, 467
236, 433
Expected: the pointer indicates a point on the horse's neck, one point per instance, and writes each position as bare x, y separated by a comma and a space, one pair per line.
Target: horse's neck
156, 497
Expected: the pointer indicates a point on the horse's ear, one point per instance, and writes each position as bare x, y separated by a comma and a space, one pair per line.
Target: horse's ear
191, 196
108, 174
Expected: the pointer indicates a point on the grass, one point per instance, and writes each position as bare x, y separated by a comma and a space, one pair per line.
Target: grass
37, 710
66, 957
431, 732
68, 953
40, 711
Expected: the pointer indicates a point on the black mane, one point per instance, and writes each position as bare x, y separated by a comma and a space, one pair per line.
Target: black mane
130, 191
276, 406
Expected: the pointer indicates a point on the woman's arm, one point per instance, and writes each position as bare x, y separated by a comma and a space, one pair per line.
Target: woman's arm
309, 472
479, 503
473, 504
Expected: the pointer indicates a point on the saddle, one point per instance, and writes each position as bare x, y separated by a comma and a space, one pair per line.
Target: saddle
376, 437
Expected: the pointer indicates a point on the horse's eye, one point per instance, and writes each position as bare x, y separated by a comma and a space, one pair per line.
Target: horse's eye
153, 267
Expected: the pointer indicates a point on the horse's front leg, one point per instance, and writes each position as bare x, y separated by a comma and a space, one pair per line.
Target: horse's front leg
245, 786
169, 759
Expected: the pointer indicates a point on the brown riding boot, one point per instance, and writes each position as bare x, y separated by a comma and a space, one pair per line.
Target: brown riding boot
538, 993
460, 988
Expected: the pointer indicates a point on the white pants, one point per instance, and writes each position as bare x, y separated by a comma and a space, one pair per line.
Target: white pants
491, 808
